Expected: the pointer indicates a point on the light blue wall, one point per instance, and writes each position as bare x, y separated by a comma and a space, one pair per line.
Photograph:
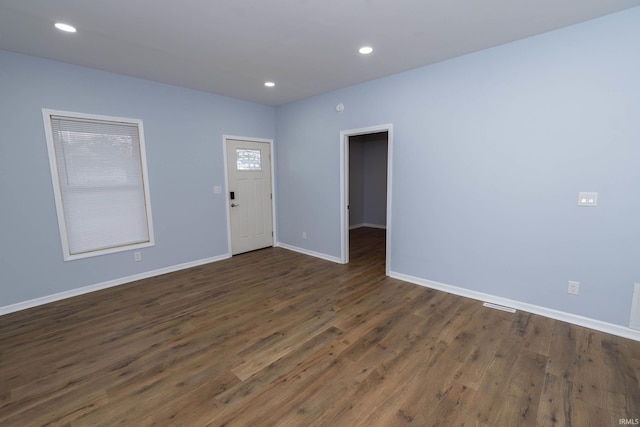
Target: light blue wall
490, 152
375, 179
356, 181
368, 179
183, 130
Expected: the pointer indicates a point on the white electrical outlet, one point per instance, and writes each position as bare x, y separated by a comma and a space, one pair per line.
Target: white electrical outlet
217, 189
304, 234
573, 288
137, 256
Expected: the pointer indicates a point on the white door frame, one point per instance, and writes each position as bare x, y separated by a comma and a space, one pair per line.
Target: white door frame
344, 188
226, 184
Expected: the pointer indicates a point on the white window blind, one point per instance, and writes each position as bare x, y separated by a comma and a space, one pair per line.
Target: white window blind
98, 168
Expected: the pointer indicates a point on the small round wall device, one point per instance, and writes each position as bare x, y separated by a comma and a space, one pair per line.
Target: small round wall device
340, 107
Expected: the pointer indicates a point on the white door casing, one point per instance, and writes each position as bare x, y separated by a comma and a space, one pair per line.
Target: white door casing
344, 188
249, 194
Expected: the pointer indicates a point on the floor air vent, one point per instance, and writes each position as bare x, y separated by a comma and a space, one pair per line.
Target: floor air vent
499, 307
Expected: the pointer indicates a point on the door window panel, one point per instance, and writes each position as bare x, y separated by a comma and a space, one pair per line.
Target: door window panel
248, 160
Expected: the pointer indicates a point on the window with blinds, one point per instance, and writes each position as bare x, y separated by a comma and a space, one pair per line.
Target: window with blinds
99, 174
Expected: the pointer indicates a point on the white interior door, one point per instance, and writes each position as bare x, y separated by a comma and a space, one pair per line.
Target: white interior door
250, 210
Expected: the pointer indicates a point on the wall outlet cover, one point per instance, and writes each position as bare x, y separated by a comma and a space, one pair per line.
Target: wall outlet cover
573, 288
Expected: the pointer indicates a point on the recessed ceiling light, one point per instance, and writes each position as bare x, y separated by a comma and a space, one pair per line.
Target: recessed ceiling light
65, 27
269, 84
365, 50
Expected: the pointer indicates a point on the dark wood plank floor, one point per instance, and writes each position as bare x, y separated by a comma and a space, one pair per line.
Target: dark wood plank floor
275, 338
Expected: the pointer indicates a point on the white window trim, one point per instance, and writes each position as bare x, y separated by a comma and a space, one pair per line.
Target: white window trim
55, 179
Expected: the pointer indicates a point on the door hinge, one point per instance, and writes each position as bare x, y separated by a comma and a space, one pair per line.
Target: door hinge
271, 196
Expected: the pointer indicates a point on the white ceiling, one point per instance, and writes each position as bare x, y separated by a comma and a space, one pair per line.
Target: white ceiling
231, 47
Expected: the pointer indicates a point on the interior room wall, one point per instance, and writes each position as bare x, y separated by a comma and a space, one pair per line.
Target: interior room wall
183, 132
490, 151
375, 178
356, 181
368, 180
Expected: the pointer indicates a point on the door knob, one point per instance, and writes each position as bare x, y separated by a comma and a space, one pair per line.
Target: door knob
233, 205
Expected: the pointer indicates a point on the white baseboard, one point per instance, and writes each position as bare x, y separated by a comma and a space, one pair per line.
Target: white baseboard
309, 252
104, 285
366, 224
598, 325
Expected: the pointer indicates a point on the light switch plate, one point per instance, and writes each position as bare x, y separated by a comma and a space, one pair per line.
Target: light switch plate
587, 199
217, 189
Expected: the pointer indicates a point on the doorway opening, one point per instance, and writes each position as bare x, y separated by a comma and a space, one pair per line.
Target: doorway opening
366, 159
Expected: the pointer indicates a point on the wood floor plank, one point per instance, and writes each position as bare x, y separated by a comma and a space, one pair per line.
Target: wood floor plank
278, 344
586, 415
271, 374
591, 376
395, 357
488, 401
276, 399
277, 338
556, 405
624, 387
535, 331
525, 390
483, 346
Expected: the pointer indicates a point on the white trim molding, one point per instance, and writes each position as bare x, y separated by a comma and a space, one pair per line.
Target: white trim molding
108, 284
575, 319
310, 252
